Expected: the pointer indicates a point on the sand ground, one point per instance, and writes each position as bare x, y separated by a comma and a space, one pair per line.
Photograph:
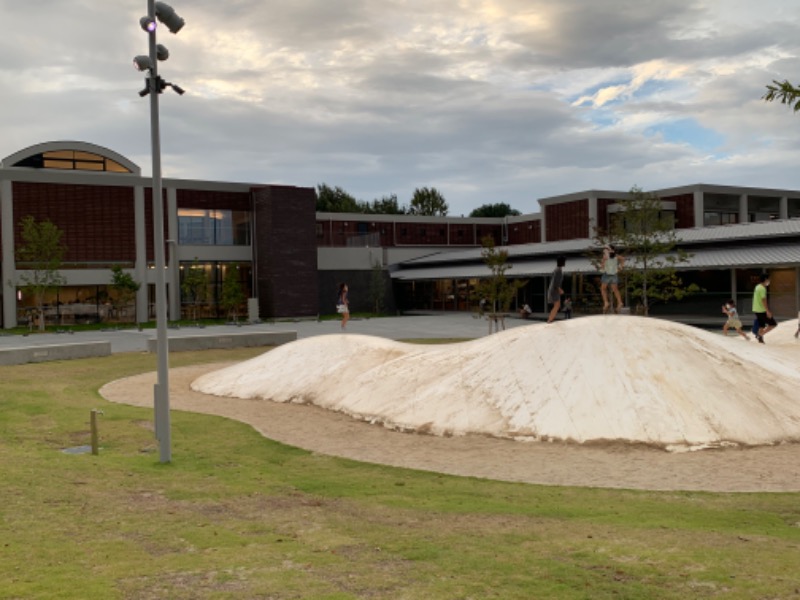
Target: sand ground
611, 465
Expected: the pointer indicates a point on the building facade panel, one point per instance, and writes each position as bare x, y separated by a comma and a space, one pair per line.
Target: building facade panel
567, 221
97, 221
285, 249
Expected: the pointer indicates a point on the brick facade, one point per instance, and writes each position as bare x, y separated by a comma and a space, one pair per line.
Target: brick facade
567, 221
97, 221
285, 251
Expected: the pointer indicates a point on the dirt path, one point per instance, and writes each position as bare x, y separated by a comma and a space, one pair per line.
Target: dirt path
764, 469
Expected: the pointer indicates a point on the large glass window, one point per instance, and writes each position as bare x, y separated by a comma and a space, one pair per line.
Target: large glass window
201, 287
72, 160
203, 227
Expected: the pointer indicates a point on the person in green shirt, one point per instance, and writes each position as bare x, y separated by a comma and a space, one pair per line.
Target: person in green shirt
761, 310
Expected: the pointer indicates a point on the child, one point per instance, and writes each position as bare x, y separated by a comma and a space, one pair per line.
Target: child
729, 308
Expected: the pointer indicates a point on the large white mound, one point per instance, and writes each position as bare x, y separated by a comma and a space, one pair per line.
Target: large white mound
589, 379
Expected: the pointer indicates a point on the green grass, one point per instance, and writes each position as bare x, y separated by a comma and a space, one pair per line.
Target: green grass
239, 516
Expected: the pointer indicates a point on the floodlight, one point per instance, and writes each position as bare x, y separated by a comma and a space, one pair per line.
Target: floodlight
166, 14
161, 52
142, 62
177, 88
148, 24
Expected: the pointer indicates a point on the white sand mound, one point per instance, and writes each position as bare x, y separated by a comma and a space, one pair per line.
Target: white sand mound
588, 379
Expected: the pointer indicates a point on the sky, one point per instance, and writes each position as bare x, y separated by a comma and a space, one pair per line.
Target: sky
488, 101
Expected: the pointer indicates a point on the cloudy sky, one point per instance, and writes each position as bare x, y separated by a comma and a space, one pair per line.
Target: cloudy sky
486, 100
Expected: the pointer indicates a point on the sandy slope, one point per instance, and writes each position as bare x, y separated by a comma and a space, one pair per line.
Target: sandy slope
590, 379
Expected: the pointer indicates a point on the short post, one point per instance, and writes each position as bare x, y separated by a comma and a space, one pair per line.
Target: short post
93, 422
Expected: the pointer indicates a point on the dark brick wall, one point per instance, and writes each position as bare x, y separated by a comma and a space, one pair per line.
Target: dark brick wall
602, 214
285, 250
211, 200
359, 284
97, 221
684, 210
525, 232
567, 221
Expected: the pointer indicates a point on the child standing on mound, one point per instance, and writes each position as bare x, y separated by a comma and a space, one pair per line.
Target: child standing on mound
729, 308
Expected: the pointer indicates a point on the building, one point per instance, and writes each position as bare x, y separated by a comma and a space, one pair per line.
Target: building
291, 258
733, 234
103, 205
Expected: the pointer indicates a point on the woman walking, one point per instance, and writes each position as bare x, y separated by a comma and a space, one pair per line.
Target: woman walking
343, 304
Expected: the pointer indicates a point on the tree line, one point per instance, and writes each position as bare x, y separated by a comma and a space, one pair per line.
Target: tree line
425, 201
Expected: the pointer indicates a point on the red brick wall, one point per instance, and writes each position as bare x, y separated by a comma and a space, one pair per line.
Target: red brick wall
97, 221
526, 232
567, 221
684, 210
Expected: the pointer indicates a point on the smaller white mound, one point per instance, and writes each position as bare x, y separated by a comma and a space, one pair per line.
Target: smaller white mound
589, 379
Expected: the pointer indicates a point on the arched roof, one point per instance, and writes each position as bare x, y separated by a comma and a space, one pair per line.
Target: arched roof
34, 156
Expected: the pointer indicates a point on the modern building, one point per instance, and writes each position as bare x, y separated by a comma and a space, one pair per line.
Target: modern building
103, 206
291, 258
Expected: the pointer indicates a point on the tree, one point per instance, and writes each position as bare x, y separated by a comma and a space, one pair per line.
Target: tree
194, 287
646, 237
124, 287
785, 92
387, 205
377, 287
497, 289
428, 202
40, 256
336, 200
500, 209
232, 297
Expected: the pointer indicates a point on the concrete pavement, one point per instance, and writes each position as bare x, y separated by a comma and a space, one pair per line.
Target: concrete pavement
443, 325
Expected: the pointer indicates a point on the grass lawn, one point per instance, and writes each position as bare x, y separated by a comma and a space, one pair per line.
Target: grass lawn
239, 516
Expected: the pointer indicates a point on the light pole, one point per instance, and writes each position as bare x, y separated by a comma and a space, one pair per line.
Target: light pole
154, 86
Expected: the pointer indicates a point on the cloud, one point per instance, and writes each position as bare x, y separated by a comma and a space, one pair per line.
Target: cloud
487, 100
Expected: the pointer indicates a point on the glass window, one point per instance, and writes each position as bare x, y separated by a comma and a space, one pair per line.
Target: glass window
203, 227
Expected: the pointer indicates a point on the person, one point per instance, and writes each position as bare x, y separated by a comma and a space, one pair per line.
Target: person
611, 266
554, 292
343, 304
568, 308
525, 311
761, 310
729, 308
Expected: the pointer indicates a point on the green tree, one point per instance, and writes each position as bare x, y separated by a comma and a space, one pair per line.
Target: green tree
498, 290
646, 237
336, 200
124, 288
194, 287
377, 288
387, 205
501, 209
428, 202
39, 259
784, 92
232, 297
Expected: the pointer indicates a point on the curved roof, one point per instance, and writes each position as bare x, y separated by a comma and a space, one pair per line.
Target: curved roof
65, 146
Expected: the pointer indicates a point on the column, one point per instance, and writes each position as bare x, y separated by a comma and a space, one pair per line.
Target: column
9, 272
699, 209
173, 271
783, 211
140, 267
743, 216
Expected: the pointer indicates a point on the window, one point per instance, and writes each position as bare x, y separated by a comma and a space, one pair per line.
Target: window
72, 160
201, 227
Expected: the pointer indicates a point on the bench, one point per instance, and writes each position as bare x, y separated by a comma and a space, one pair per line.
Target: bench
44, 353
225, 340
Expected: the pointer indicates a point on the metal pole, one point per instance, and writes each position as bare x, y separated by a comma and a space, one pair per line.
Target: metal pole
161, 390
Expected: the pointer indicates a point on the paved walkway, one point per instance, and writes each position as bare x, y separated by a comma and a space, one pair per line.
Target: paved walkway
445, 325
